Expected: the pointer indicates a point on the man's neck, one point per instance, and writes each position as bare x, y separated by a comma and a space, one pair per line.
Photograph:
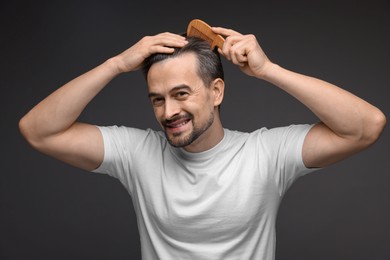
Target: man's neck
210, 138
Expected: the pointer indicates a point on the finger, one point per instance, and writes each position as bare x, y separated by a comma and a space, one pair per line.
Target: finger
161, 49
239, 57
169, 39
229, 44
236, 61
224, 31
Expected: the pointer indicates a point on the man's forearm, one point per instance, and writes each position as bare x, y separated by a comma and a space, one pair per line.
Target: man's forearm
346, 114
60, 110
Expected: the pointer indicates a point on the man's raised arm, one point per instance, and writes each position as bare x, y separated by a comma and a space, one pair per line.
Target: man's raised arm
348, 123
51, 127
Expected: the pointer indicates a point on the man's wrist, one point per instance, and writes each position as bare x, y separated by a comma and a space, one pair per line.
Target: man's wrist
269, 71
115, 65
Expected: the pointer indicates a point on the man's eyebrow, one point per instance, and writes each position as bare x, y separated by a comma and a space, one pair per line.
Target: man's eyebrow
180, 87
174, 89
152, 94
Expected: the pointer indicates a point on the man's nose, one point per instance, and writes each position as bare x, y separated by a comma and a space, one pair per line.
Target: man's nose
172, 109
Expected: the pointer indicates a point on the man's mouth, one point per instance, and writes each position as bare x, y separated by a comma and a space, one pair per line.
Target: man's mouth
177, 123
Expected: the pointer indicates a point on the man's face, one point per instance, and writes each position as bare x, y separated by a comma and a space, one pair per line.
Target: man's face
182, 104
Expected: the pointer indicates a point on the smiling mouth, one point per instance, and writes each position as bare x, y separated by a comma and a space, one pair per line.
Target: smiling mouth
177, 123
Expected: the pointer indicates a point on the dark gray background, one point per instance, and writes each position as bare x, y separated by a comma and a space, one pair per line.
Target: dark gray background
49, 210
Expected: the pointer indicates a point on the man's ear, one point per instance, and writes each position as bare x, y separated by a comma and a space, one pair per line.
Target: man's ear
218, 89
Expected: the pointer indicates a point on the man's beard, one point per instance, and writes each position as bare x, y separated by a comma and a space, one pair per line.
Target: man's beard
176, 141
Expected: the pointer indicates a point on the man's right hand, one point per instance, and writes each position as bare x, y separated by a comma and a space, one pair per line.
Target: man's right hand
132, 58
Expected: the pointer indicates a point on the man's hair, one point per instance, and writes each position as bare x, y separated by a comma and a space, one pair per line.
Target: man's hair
209, 61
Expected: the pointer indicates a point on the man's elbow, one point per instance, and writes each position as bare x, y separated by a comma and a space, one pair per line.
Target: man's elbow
24, 128
376, 126
27, 131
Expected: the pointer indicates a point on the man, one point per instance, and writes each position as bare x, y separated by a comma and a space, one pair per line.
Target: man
201, 191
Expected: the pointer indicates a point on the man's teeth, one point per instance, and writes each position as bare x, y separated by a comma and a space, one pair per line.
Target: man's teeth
181, 124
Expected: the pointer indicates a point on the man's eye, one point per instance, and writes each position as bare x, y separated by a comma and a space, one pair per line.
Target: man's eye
157, 101
181, 94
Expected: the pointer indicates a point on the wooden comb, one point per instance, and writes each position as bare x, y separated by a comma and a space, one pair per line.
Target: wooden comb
202, 30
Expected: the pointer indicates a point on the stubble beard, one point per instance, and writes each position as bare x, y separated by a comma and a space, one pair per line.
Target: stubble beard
177, 141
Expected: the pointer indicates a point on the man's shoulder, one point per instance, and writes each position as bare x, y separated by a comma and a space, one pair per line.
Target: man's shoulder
233, 133
272, 133
133, 133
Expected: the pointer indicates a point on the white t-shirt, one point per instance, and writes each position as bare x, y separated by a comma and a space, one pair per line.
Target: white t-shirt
217, 204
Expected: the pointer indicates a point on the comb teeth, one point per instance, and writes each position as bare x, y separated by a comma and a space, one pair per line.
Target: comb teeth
195, 32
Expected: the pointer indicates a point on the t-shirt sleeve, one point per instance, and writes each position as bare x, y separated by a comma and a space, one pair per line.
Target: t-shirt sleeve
120, 147
284, 146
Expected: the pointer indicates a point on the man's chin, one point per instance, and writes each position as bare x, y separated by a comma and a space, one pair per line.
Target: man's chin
175, 142
179, 139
